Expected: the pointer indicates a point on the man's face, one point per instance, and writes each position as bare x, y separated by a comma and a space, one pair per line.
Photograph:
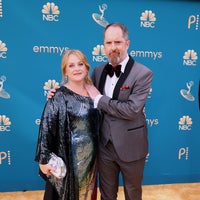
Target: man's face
115, 45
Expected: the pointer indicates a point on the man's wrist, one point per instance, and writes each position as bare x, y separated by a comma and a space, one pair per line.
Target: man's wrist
96, 100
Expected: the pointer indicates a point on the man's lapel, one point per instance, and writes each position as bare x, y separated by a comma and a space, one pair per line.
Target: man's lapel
123, 77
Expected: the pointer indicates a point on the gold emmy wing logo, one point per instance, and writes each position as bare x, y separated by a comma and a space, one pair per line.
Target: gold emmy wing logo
3, 92
50, 12
99, 18
148, 19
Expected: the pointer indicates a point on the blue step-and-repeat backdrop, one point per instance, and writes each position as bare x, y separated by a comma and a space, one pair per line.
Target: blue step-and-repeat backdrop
165, 36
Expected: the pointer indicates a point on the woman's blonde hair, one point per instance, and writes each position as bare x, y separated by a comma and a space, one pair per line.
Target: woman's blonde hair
82, 58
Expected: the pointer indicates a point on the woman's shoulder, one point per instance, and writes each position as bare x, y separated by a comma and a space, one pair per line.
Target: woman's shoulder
61, 91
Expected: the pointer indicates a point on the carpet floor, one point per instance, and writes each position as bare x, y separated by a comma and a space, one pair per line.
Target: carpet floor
189, 191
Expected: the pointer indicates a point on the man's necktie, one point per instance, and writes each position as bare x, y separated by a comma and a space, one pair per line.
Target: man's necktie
111, 70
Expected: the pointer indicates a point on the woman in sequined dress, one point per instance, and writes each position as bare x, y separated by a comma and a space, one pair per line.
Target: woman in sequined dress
69, 128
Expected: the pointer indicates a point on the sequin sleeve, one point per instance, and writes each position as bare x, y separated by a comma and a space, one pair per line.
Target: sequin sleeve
47, 131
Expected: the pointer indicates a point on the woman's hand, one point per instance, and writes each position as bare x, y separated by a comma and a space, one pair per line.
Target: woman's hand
46, 169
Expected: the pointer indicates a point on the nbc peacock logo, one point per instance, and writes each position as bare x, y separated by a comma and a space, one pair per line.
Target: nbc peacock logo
185, 123
4, 123
50, 12
99, 54
148, 19
190, 58
50, 84
3, 49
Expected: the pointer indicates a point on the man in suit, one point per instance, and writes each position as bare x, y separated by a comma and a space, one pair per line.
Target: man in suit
120, 92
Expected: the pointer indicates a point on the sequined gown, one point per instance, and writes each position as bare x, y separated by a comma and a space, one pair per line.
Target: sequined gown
69, 128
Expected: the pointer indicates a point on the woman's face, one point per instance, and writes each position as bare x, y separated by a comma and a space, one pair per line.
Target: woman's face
75, 69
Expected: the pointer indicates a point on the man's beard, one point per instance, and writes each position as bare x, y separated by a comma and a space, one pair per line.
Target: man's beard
114, 58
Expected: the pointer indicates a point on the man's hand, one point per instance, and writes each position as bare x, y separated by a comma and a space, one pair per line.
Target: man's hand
51, 92
92, 91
